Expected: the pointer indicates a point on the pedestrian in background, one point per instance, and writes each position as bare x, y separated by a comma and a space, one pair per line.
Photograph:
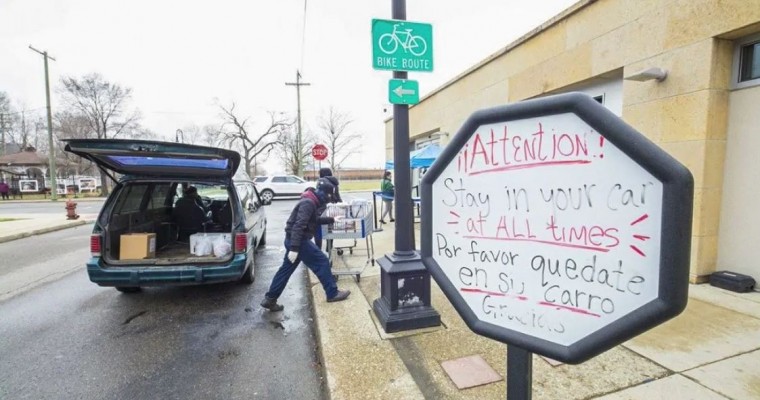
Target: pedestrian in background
4, 189
299, 229
388, 192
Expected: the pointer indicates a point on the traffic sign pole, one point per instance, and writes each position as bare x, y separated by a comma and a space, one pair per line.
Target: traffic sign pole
403, 275
519, 373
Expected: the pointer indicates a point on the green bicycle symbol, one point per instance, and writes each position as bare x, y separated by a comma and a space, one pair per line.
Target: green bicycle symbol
389, 42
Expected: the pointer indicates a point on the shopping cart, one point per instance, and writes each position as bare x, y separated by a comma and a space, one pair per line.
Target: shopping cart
349, 229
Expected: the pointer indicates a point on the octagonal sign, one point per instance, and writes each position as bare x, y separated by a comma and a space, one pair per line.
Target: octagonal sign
552, 225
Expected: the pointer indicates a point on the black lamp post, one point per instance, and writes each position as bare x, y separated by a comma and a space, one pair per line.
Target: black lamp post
404, 282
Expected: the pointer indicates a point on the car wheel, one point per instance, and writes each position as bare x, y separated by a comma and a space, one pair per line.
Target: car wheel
267, 195
248, 276
129, 289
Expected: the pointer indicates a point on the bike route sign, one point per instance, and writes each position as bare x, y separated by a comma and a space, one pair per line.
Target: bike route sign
552, 225
400, 45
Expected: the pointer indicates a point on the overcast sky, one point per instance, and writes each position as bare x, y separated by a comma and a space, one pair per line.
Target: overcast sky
179, 56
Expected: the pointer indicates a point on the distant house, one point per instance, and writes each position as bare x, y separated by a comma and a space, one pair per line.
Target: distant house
31, 165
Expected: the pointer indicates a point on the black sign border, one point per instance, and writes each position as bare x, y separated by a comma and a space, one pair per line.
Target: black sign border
675, 244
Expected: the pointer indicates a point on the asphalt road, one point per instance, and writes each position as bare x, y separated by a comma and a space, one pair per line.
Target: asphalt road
67, 338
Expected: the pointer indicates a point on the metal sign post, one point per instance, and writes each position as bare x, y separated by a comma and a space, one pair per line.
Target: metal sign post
556, 228
404, 301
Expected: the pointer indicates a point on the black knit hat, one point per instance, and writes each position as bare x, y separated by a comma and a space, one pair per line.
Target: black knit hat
323, 172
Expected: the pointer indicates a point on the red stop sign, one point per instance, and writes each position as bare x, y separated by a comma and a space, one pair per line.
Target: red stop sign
319, 152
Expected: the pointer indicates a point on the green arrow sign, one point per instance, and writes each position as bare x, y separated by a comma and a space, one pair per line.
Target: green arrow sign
402, 91
402, 45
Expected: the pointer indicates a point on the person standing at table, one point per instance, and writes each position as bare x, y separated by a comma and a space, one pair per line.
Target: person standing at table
388, 192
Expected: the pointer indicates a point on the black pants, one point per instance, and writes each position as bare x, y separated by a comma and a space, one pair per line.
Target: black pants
5, 196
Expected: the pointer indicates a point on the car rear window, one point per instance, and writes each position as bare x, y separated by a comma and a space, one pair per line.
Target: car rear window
260, 179
158, 195
170, 162
130, 198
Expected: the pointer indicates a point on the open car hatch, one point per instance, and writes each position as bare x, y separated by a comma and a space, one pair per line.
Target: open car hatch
154, 158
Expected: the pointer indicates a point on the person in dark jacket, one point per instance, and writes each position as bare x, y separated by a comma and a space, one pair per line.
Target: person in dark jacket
190, 214
326, 174
299, 230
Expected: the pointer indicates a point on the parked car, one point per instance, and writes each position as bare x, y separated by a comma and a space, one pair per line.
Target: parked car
151, 199
280, 185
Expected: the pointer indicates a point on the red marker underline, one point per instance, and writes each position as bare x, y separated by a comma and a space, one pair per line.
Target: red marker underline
575, 246
541, 303
473, 290
530, 165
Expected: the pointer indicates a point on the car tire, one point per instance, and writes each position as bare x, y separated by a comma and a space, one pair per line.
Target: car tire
267, 195
129, 289
248, 276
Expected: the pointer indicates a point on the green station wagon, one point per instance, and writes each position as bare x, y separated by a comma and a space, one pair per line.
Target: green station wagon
200, 219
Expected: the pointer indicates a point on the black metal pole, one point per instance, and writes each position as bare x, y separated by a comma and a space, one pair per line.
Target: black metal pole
402, 273
401, 178
519, 373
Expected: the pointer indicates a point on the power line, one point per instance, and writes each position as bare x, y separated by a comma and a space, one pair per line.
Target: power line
24, 111
303, 35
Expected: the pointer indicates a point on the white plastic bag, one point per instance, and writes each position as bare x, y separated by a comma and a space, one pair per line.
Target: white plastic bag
202, 247
221, 247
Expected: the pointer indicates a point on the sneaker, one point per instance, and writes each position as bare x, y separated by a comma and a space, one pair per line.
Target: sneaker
271, 304
393, 220
342, 295
382, 222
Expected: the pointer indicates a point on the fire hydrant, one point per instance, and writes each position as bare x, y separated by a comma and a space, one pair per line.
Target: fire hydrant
71, 210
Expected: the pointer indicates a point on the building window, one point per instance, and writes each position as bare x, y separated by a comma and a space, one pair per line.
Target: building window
747, 62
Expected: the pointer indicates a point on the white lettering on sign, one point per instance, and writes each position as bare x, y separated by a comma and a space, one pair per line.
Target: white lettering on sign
415, 64
547, 229
386, 62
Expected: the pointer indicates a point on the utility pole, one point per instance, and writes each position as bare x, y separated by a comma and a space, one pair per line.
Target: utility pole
51, 150
2, 131
299, 145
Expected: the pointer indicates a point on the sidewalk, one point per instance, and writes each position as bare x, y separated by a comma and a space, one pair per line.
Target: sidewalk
710, 351
26, 225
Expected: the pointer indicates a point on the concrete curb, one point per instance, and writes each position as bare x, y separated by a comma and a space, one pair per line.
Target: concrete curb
22, 235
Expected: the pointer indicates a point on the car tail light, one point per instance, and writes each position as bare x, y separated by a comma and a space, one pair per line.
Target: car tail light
95, 241
241, 242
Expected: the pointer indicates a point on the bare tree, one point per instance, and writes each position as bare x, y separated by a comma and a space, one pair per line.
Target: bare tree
234, 133
340, 142
5, 114
104, 104
289, 146
70, 125
208, 135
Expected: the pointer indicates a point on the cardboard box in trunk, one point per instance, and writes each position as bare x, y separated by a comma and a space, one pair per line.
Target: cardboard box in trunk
137, 246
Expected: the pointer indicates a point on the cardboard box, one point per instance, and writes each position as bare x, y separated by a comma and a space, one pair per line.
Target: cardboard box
137, 246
